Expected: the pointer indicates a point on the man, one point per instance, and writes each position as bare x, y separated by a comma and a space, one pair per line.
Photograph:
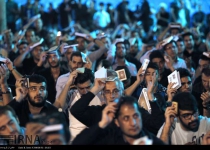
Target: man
74, 63
189, 47
111, 90
204, 62
67, 98
201, 91
101, 18
9, 126
52, 57
26, 65
128, 119
30, 36
93, 56
151, 76
186, 126
181, 47
171, 50
32, 99
157, 57
120, 58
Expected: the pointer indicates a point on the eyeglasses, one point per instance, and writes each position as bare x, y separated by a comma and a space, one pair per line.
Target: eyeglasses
35, 88
115, 92
189, 116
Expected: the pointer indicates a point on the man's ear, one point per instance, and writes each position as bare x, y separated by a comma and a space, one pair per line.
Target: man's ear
116, 122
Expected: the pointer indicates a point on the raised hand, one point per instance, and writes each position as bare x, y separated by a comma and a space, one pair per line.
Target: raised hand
3, 74
140, 75
108, 115
171, 91
42, 58
205, 96
88, 64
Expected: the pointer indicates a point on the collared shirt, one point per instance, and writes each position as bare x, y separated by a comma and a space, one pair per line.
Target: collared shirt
23, 112
61, 82
131, 67
180, 63
75, 125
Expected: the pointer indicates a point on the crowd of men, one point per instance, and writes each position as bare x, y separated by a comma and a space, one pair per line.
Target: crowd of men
65, 89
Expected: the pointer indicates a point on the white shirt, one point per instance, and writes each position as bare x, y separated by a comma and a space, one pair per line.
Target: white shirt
75, 125
181, 137
61, 82
101, 18
179, 64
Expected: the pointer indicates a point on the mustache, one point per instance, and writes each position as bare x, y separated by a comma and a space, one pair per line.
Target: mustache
38, 97
195, 121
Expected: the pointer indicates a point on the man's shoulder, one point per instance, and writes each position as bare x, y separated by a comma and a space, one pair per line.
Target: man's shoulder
63, 76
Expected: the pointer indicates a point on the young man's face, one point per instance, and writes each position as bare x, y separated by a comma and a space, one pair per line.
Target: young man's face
120, 50
189, 120
36, 52
186, 84
53, 59
129, 120
30, 36
81, 44
203, 64
160, 63
76, 62
22, 48
205, 81
37, 94
180, 46
85, 87
189, 42
171, 50
9, 124
149, 74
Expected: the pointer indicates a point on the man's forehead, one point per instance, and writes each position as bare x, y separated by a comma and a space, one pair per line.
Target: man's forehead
77, 58
37, 84
111, 85
185, 79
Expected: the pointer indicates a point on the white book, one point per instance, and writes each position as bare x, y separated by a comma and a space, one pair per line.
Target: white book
81, 70
145, 64
81, 34
175, 78
68, 46
101, 73
51, 128
167, 40
2, 59
206, 54
144, 100
175, 26
36, 44
143, 141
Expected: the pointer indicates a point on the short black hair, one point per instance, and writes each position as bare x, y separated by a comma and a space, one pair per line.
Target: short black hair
153, 66
22, 42
186, 101
203, 57
206, 71
126, 100
187, 34
36, 78
156, 54
77, 54
183, 72
83, 77
105, 63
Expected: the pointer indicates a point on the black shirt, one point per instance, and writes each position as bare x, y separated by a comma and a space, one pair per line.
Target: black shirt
90, 115
23, 112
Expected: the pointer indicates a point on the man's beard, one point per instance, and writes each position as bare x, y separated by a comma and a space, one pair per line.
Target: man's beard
195, 129
55, 66
120, 56
40, 104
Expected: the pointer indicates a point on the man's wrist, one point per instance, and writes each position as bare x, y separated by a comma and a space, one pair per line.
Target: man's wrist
94, 90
